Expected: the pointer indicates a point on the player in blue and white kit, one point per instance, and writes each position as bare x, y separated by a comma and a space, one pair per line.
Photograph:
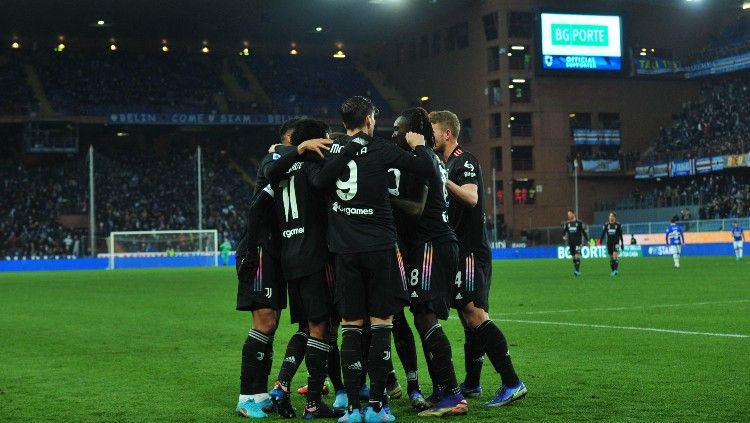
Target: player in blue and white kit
675, 238
739, 239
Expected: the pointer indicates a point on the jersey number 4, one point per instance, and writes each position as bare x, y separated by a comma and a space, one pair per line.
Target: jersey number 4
346, 190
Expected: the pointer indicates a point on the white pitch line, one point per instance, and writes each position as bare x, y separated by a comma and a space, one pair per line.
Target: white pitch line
635, 328
622, 308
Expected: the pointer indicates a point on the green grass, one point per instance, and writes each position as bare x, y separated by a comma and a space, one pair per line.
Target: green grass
164, 345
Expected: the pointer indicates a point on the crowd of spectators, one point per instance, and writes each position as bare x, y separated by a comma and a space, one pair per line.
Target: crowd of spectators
712, 196
732, 41
16, 97
33, 198
313, 86
140, 190
97, 84
716, 124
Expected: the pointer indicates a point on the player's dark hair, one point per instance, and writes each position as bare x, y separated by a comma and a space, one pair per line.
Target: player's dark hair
308, 129
336, 135
419, 121
355, 110
288, 125
674, 219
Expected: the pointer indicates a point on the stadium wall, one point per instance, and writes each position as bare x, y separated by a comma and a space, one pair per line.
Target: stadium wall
458, 80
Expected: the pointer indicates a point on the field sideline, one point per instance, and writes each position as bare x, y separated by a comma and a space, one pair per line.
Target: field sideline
652, 344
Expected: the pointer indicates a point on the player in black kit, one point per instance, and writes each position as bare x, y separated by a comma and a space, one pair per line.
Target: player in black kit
370, 276
613, 231
260, 291
466, 217
574, 233
301, 212
432, 261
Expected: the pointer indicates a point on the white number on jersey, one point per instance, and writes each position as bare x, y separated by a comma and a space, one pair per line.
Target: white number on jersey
393, 189
289, 197
348, 189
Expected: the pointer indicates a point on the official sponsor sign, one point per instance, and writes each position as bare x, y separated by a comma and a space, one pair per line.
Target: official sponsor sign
599, 251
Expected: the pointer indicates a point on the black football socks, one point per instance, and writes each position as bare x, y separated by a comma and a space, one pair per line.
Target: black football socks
496, 348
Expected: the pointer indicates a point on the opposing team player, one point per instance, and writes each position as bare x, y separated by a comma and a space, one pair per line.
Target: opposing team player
675, 238
574, 233
260, 291
466, 217
738, 237
612, 230
301, 213
369, 270
432, 263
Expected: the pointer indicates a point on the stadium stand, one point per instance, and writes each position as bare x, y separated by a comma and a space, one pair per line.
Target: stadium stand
718, 122
714, 196
17, 97
733, 40
96, 84
138, 189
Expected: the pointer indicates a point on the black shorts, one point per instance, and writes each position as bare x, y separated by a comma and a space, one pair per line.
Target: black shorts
311, 296
431, 272
473, 280
574, 249
260, 282
370, 284
612, 248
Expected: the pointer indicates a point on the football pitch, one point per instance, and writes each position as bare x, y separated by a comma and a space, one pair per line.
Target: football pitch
653, 344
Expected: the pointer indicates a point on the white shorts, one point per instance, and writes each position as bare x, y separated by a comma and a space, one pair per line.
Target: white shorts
675, 249
737, 244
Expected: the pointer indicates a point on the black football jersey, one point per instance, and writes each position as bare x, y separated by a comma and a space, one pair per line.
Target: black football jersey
268, 235
360, 218
433, 223
467, 222
575, 231
300, 213
405, 186
613, 232
254, 221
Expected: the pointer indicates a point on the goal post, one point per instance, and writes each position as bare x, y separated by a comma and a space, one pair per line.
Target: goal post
179, 248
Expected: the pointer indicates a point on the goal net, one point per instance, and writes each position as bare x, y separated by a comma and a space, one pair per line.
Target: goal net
137, 249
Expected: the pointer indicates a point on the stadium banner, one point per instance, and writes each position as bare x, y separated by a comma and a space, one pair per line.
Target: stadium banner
713, 237
657, 66
736, 160
600, 165
596, 137
195, 119
703, 165
660, 170
723, 249
681, 168
723, 65
88, 263
717, 163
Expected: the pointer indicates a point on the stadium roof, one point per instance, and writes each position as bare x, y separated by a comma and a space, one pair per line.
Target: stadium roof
253, 20
260, 20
